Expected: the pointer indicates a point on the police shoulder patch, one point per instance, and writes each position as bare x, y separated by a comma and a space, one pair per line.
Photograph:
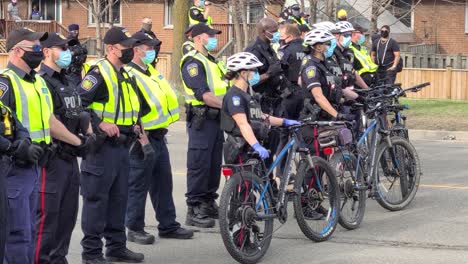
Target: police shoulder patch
3, 89
310, 71
192, 69
196, 12
236, 100
88, 82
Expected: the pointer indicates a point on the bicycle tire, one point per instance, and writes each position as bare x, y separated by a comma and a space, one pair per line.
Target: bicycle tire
399, 130
333, 193
227, 232
413, 170
345, 164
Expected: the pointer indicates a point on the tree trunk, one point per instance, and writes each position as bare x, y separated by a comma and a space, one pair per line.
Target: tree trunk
179, 13
313, 11
237, 29
245, 26
96, 11
110, 14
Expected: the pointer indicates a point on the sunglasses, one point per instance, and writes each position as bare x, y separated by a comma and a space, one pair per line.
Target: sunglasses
384, 30
347, 35
36, 47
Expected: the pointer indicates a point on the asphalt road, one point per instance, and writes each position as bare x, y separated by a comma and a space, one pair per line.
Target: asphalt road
433, 229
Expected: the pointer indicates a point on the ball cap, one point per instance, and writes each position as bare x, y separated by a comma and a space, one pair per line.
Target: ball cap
119, 35
201, 28
18, 35
342, 13
144, 38
54, 40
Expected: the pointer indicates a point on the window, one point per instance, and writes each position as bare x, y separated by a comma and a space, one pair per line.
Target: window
168, 13
111, 14
402, 10
255, 12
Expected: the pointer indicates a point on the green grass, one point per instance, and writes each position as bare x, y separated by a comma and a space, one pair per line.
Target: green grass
437, 114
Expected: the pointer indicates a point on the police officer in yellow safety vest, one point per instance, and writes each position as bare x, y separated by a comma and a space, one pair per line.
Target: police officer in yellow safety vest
26, 94
110, 94
363, 63
152, 173
204, 85
200, 13
296, 17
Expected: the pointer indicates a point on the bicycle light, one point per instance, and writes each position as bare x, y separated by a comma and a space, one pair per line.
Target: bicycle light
227, 172
328, 151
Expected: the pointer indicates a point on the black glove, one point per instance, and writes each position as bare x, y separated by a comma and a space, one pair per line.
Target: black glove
345, 117
87, 145
148, 152
20, 149
34, 153
274, 70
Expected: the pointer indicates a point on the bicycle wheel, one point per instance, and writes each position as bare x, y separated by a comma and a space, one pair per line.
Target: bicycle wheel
397, 174
399, 131
353, 200
245, 236
316, 203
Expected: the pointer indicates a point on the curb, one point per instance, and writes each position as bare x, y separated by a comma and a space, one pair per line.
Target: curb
438, 135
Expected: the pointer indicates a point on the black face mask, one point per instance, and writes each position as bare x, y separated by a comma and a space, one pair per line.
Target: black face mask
384, 33
33, 58
74, 35
127, 55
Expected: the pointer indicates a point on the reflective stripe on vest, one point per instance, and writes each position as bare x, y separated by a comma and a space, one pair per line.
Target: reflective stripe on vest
162, 100
128, 105
214, 78
33, 105
366, 61
202, 11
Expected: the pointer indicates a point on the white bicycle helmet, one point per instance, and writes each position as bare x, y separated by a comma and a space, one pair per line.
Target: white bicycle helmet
344, 26
318, 35
330, 26
243, 61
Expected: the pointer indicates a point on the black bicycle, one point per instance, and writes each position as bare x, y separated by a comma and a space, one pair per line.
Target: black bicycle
248, 204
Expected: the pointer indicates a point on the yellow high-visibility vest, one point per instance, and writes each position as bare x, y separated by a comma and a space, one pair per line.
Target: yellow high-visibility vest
214, 77
160, 97
202, 11
128, 106
34, 105
365, 59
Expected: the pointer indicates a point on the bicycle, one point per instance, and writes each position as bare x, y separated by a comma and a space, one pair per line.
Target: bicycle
375, 163
248, 205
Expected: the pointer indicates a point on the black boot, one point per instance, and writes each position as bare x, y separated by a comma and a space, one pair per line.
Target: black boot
196, 216
140, 237
213, 209
125, 255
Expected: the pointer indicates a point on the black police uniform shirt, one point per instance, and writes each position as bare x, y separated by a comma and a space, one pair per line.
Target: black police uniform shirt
313, 77
194, 76
7, 96
259, 48
93, 89
385, 58
291, 56
195, 14
59, 102
345, 57
186, 49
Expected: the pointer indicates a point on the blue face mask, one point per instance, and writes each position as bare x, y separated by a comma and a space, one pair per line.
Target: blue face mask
361, 39
149, 56
212, 44
329, 52
64, 59
275, 37
255, 79
346, 42
201, 3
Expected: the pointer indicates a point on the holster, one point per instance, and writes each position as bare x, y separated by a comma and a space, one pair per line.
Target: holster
199, 117
188, 112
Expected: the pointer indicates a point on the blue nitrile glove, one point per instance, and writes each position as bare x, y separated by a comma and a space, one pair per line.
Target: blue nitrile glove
289, 122
262, 152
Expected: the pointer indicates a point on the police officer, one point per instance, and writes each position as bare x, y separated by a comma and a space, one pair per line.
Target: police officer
296, 17
11, 133
109, 93
363, 63
272, 79
146, 27
159, 109
200, 13
26, 93
188, 45
79, 55
204, 87
58, 195
241, 114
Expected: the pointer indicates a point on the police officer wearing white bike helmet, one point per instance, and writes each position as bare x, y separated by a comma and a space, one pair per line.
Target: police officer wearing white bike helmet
241, 115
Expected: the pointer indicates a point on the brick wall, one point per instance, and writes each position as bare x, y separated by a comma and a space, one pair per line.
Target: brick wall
445, 25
